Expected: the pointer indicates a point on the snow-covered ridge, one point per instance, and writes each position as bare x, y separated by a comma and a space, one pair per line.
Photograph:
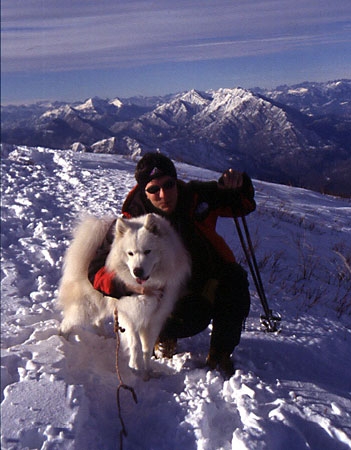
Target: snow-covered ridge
290, 391
62, 111
299, 91
116, 102
97, 105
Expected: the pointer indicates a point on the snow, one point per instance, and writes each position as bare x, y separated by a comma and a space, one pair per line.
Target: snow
116, 102
57, 113
195, 98
291, 390
299, 91
229, 100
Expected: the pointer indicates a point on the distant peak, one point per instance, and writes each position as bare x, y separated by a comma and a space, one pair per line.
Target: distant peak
195, 97
92, 104
116, 102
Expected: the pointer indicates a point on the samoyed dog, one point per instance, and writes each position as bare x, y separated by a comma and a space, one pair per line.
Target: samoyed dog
148, 256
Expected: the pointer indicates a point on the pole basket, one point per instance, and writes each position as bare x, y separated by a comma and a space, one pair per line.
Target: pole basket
270, 323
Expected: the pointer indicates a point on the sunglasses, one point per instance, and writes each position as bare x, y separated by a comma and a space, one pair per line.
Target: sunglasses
155, 188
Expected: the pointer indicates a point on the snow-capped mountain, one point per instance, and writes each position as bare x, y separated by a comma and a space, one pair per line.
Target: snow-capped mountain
332, 97
274, 135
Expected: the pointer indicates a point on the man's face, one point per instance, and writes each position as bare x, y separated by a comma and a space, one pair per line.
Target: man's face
162, 193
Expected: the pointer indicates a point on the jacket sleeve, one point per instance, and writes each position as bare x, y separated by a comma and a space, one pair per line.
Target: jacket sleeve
213, 198
107, 283
212, 201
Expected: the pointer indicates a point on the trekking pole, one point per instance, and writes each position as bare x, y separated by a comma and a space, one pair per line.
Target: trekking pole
268, 319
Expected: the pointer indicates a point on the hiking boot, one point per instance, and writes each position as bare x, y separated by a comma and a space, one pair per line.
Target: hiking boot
222, 362
166, 348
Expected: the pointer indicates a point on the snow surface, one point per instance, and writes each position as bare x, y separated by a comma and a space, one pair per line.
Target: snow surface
291, 390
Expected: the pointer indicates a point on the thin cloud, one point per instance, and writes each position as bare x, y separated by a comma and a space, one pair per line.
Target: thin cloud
104, 34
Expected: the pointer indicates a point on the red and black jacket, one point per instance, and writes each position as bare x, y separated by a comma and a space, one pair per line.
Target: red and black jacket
198, 207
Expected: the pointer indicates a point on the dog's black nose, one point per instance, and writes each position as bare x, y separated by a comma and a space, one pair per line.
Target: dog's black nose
138, 272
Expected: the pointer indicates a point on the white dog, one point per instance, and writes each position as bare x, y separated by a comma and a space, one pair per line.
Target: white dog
148, 256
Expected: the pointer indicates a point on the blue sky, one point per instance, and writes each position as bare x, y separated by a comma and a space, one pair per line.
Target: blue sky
71, 50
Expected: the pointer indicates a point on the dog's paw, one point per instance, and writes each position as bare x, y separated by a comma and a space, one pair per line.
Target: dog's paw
134, 367
64, 334
65, 330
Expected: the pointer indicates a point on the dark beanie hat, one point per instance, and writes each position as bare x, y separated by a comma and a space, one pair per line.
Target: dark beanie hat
152, 166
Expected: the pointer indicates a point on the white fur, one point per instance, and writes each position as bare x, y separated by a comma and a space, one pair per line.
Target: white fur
146, 252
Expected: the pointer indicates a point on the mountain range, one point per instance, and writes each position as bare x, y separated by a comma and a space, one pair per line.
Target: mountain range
298, 135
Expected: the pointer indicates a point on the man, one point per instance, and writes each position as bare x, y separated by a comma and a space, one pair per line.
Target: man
218, 288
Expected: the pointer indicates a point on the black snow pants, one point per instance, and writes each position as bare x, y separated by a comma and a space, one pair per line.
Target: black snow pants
225, 300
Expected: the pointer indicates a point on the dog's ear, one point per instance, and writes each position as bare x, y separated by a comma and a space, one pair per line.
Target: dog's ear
152, 224
121, 227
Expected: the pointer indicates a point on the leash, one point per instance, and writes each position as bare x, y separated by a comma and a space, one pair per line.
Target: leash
267, 319
123, 433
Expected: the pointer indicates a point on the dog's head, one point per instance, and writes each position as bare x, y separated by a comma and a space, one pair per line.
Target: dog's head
141, 245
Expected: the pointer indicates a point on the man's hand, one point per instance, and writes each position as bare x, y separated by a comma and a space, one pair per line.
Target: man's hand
232, 179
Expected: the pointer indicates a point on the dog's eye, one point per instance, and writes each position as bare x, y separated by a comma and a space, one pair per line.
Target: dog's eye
130, 253
147, 252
